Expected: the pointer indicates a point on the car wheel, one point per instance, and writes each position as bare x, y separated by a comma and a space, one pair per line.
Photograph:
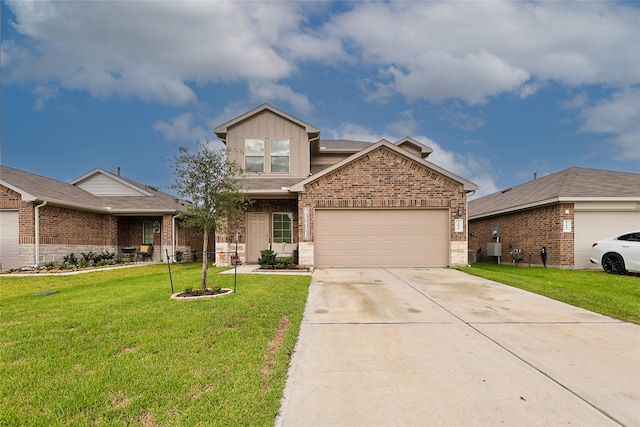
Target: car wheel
613, 264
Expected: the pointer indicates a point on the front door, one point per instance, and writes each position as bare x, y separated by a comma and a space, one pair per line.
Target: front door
257, 235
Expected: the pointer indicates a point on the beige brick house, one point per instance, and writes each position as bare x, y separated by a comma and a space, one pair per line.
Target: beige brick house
565, 212
342, 203
42, 219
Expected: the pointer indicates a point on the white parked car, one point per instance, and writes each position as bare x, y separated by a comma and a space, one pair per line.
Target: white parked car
618, 254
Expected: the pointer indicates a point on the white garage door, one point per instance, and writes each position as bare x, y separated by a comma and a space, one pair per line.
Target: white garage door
381, 238
9, 248
592, 226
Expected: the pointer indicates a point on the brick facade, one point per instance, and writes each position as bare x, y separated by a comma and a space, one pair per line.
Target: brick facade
64, 230
74, 227
528, 230
384, 179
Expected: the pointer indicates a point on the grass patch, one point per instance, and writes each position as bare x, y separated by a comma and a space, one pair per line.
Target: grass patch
611, 295
111, 348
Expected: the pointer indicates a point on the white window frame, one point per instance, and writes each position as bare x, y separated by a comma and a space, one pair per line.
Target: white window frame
273, 156
267, 157
248, 154
273, 228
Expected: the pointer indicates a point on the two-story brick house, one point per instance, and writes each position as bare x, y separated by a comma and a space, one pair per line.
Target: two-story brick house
342, 203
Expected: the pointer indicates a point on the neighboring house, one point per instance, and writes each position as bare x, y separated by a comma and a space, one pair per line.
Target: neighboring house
565, 212
42, 219
342, 203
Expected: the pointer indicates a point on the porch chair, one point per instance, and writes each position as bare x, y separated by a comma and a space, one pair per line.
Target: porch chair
145, 251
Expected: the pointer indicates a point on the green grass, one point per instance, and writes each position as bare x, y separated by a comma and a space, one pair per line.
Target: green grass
611, 295
111, 348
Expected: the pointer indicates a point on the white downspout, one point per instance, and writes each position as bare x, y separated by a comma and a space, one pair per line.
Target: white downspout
37, 227
174, 237
466, 216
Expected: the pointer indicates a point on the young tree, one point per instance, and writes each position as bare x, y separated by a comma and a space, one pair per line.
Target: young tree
211, 182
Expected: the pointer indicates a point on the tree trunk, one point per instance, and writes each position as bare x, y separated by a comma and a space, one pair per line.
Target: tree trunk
205, 261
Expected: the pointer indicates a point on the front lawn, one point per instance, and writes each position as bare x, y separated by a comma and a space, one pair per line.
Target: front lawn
611, 295
111, 348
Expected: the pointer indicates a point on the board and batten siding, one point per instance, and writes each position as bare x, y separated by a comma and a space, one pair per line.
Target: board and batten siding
102, 185
269, 125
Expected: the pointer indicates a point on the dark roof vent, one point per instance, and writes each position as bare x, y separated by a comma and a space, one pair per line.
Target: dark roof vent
506, 189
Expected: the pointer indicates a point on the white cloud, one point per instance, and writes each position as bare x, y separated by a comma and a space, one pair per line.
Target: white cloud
433, 50
43, 94
473, 77
474, 50
464, 121
618, 116
268, 92
181, 129
578, 101
353, 131
150, 50
405, 125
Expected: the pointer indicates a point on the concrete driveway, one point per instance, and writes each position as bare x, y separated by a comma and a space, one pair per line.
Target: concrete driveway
437, 347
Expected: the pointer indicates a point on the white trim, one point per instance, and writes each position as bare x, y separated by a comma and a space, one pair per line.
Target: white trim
273, 228
553, 200
24, 196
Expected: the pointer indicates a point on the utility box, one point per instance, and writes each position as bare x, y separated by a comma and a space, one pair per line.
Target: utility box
472, 257
495, 232
494, 249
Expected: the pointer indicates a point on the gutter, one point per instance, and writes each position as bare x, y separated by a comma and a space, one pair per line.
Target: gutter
37, 227
550, 201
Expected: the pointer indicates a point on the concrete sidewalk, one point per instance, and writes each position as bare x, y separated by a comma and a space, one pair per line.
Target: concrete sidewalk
421, 347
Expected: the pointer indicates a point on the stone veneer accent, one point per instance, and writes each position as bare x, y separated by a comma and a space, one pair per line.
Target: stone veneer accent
56, 253
305, 254
228, 249
459, 254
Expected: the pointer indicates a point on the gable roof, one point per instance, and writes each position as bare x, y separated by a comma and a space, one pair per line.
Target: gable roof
573, 184
221, 131
467, 185
36, 188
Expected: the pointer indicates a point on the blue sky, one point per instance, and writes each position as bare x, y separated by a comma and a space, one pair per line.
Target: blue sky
499, 90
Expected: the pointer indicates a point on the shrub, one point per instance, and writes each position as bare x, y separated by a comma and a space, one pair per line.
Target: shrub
267, 259
70, 259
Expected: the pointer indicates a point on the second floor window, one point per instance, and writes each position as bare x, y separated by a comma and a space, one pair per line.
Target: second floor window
280, 149
270, 155
254, 155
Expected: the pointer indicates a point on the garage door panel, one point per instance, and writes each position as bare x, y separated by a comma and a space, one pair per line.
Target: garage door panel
596, 225
382, 238
9, 246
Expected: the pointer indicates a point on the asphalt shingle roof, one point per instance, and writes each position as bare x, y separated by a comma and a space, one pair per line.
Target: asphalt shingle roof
572, 183
62, 193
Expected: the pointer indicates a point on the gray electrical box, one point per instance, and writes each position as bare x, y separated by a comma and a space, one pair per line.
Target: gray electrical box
494, 249
495, 232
